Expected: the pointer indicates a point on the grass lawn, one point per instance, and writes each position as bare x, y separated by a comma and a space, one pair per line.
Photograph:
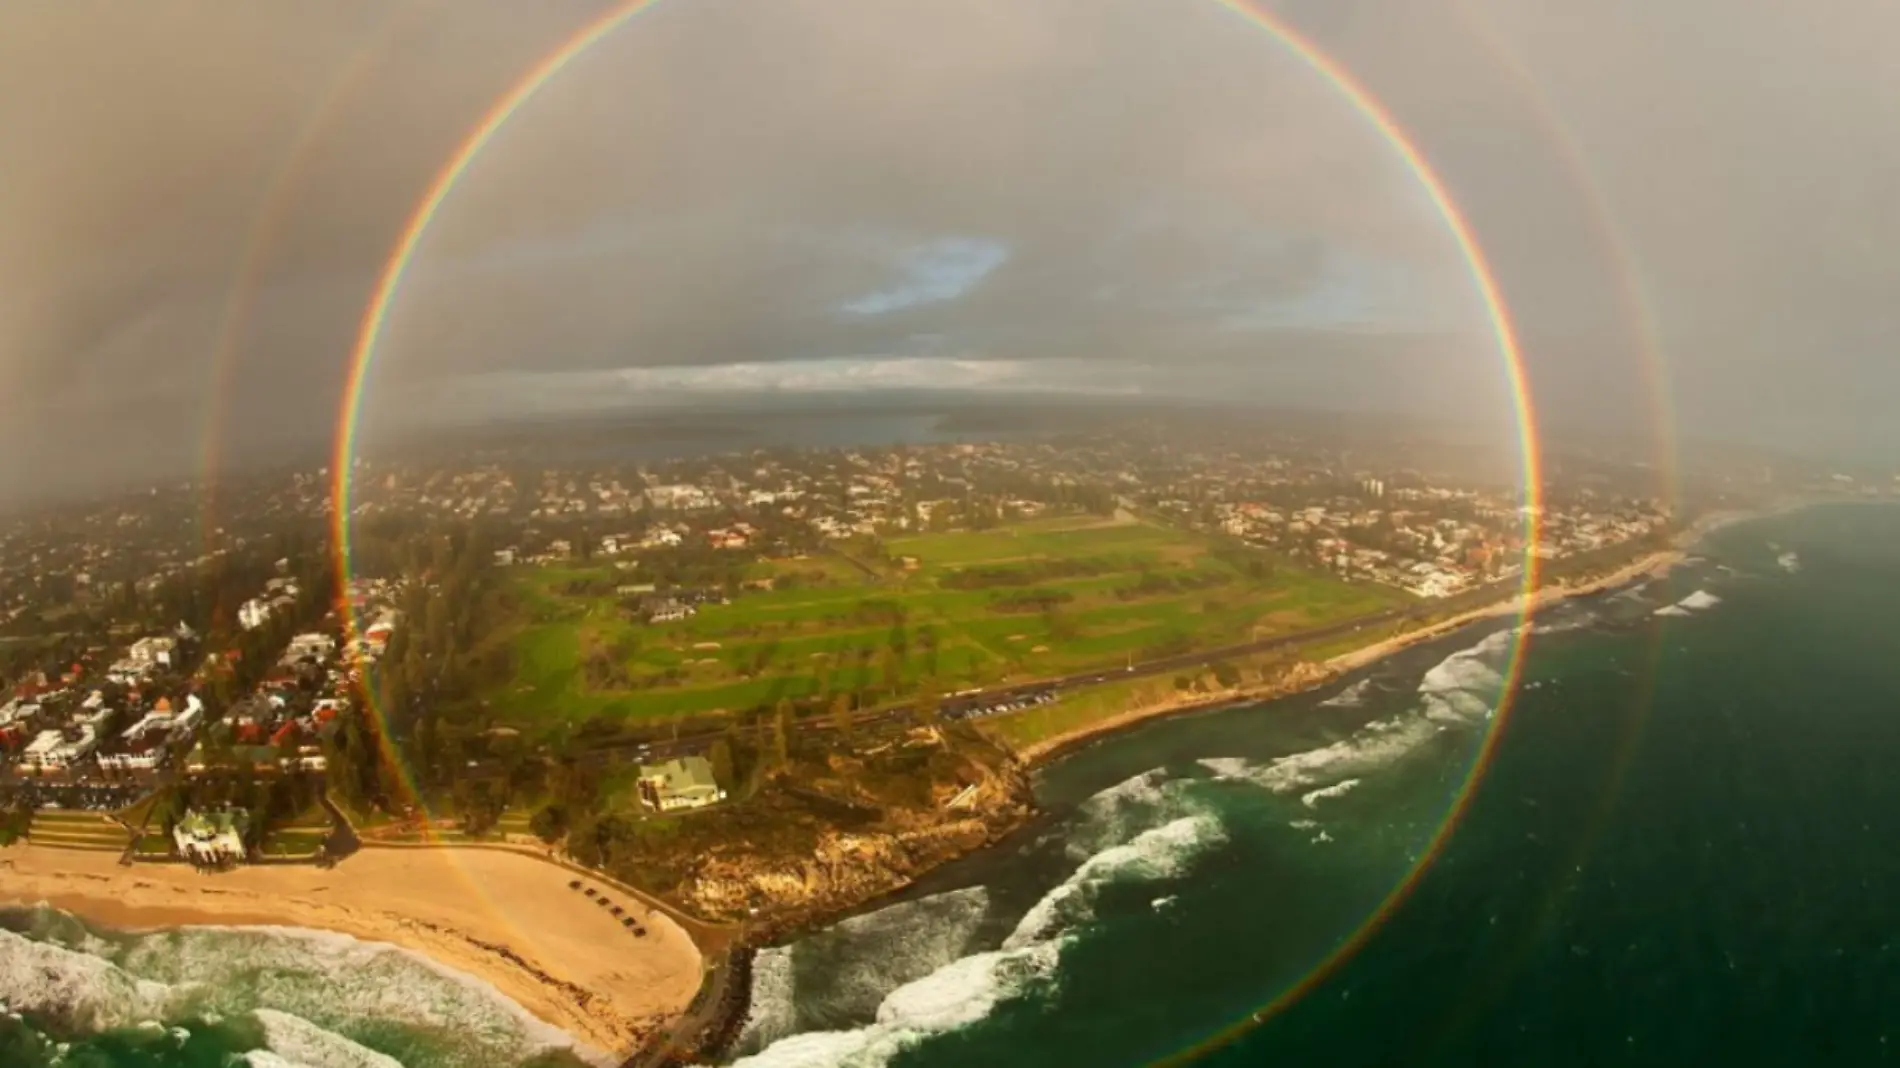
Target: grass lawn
1032, 600
76, 830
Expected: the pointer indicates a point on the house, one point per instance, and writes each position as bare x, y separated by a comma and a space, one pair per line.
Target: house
313, 646
680, 783
212, 839
57, 750
253, 613
151, 652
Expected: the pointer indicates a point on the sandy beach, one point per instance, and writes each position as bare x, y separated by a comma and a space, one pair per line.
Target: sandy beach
506, 918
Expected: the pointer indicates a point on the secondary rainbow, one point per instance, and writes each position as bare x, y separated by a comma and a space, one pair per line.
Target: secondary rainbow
266, 225
1350, 89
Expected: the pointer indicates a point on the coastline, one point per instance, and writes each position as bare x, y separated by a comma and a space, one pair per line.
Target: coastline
1312, 676
505, 919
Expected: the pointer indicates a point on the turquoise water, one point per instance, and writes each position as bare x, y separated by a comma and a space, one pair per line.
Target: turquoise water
1682, 853
79, 996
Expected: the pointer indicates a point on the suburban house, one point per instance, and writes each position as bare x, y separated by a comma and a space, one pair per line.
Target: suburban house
151, 652
212, 839
314, 646
680, 783
253, 613
57, 750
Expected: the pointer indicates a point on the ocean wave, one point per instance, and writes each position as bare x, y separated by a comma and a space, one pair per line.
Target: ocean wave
1115, 814
1789, 562
333, 978
772, 1005
954, 996
967, 989
329, 982
1351, 697
1461, 690
301, 1042
1698, 601
1225, 767
1156, 853
84, 991
1312, 798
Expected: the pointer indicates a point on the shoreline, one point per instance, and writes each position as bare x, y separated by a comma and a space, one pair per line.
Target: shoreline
501, 919
1310, 676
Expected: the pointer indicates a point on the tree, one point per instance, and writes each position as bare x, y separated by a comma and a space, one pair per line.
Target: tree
928, 703
1226, 674
549, 823
782, 732
720, 756
841, 713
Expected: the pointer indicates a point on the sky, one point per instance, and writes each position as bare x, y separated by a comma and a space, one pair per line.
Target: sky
1687, 203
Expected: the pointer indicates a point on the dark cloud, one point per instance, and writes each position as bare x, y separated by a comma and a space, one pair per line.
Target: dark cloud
997, 194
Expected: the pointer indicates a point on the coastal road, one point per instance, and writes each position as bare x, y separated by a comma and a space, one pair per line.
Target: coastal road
962, 705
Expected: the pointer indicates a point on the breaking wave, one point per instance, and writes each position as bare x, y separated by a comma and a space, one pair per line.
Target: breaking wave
298, 1041
865, 959
1351, 697
1312, 798
1460, 691
961, 987
1695, 602
312, 992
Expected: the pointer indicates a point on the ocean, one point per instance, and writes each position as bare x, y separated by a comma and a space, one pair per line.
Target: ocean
1680, 851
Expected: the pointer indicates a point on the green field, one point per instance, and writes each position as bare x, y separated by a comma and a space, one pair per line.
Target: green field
962, 610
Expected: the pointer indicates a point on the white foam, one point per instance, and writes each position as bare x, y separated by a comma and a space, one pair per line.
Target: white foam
1312, 798
956, 995
968, 989
1225, 767
324, 972
1372, 747
1156, 853
92, 992
772, 1012
1671, 610
299, 1040
1459, 691
1351, 697
1162, 902
216, 972
1699, 600
1790, 562
1115, 814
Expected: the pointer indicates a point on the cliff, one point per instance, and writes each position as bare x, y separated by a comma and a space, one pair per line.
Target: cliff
834, 831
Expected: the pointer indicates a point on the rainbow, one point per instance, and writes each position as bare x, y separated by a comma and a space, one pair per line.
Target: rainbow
266, 225
1362, 100
1625, 268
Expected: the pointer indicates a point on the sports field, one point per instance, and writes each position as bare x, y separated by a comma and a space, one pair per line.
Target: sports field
1034, 600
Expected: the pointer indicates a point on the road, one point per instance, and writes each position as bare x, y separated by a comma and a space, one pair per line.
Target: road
663, 749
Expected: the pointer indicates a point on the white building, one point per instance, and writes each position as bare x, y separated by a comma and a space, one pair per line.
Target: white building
54, 750
151, 652
253, 613
212, 838
315, 645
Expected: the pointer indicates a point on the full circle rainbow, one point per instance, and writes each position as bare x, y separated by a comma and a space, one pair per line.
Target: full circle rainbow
376, 314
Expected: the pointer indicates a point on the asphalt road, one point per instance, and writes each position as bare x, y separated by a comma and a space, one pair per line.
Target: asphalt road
960, 705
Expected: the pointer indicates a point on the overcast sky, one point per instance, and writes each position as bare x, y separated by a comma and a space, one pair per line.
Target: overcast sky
1124, 196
